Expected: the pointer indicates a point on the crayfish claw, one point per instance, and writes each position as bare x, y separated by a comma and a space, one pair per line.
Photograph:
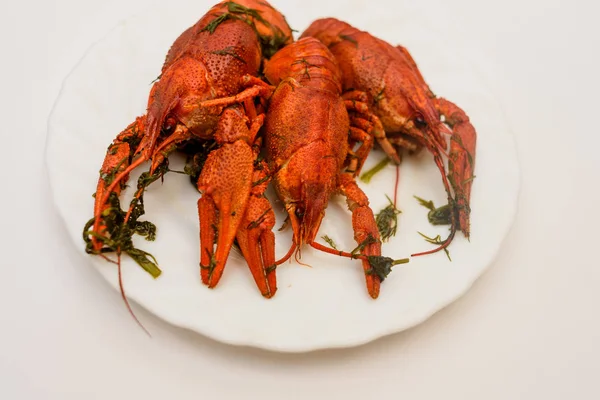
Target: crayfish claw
226, 188
257, 242
461, 161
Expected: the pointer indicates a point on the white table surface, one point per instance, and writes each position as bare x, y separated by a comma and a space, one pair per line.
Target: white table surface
528, 329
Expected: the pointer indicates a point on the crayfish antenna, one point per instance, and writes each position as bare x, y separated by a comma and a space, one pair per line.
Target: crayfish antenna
287, 255
443, 246
124, 296
396, 184
298, 257
329, 250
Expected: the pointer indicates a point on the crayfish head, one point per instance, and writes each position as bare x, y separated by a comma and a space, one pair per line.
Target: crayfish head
305, 184
307, 213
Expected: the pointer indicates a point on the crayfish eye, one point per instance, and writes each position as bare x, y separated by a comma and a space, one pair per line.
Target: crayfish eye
299, 212
168, 126
419, 121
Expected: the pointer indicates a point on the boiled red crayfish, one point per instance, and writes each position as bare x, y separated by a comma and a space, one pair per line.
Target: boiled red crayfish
220, 56
307, 131
408, 110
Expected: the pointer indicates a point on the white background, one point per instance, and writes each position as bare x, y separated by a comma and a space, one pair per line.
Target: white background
528, 329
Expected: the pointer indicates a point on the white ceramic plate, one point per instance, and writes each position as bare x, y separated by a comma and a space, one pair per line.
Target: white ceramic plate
320, 307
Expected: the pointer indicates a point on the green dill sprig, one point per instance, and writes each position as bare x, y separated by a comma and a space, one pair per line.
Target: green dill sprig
306, 65
119, 234
379, 265
330, 242
156, 79
437, 216
379, 96
382, 266
387, 221
229, 51
349, 39
367, 176
370, 239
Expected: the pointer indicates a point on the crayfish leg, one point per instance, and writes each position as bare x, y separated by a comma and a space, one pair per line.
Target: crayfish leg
406, 142
356, 101
255, 88
361, 154
365, 229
